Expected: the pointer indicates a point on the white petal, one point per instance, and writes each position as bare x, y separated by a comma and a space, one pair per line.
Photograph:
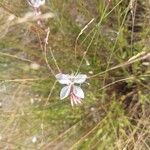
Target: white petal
36, 3
80, 78
65, 91
63, 78
78, 91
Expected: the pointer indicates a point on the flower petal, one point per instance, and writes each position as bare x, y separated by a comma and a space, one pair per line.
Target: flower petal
36, 3
63, 78
77, 91
65, 91
80, 78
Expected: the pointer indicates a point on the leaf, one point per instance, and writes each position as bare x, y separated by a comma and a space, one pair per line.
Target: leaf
80, 78
78, 91
63, 78
65, 91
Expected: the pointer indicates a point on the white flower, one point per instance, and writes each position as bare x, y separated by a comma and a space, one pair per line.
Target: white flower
36, 3
75, 93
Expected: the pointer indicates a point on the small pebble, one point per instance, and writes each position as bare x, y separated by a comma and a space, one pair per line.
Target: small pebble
146, 63
34, 139
34, 66
32, 101
90, 72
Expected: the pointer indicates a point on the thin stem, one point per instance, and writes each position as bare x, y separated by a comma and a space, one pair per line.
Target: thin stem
45, 51
91, 39
56, 64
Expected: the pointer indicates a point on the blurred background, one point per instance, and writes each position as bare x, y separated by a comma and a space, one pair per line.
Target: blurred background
108, 40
